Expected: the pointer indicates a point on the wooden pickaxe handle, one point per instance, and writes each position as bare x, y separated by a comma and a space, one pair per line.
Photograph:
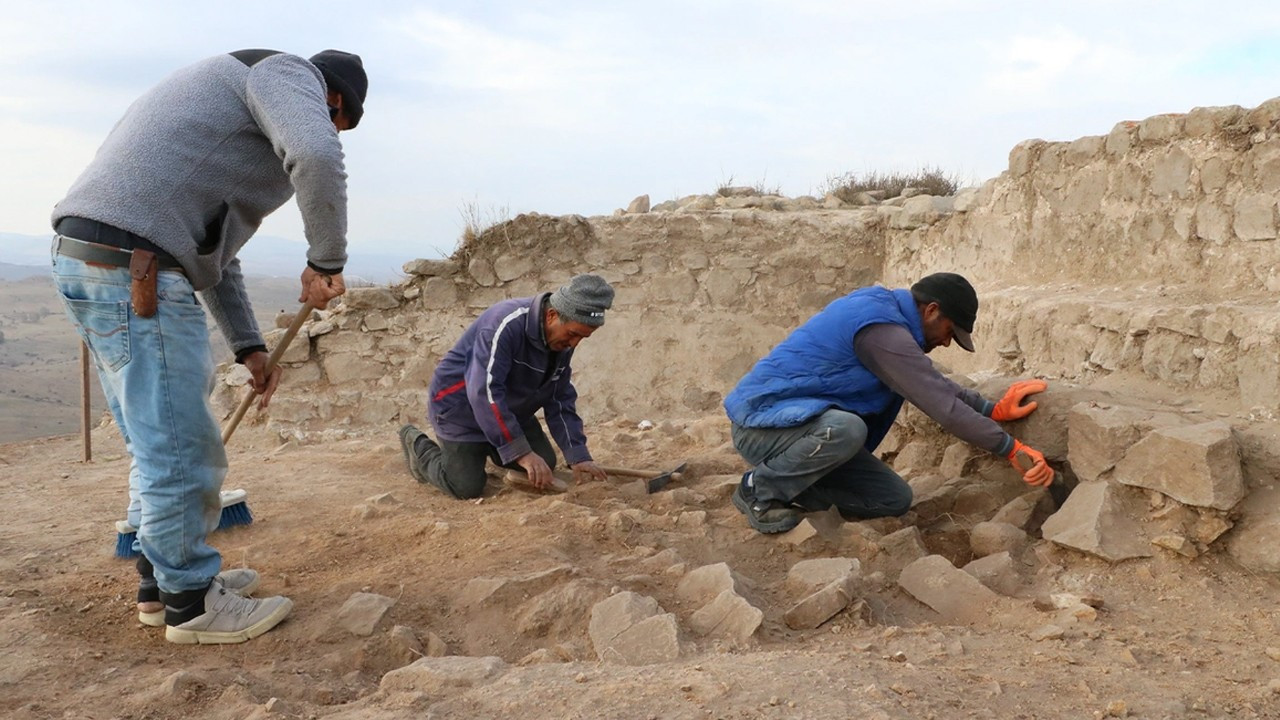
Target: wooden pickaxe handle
632, 472
303, 315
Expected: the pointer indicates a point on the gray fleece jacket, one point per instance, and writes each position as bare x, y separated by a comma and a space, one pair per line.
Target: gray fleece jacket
198, 161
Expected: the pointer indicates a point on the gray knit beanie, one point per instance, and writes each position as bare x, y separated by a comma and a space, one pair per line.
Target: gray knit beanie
584, 300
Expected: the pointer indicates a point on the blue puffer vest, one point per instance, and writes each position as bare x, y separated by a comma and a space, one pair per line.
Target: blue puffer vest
816, 369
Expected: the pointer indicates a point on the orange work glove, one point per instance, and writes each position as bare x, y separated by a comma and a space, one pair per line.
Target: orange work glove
1010, 406
1031, 463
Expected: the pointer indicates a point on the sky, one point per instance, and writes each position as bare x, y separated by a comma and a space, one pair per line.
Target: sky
486, 109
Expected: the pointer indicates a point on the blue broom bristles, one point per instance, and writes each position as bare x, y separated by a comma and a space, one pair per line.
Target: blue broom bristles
235, 514
125, 535
235, 511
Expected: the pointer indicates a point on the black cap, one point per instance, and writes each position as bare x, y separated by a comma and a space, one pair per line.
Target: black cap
344, 72
956, 299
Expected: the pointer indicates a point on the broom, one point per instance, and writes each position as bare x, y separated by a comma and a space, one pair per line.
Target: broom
235, 508
235, 511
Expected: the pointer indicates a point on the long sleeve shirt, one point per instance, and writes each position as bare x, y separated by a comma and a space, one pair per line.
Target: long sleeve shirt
892, 354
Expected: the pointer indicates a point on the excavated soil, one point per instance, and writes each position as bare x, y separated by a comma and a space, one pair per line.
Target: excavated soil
1173, 638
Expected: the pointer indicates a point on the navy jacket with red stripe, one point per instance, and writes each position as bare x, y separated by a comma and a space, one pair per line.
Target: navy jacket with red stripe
499, 374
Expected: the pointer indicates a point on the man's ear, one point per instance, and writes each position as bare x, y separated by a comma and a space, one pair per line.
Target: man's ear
551, 314
931, 311
334, 99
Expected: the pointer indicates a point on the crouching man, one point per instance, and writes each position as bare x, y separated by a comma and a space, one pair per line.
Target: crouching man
511, 362
809, 415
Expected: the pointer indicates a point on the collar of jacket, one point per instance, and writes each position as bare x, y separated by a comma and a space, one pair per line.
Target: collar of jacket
534, 326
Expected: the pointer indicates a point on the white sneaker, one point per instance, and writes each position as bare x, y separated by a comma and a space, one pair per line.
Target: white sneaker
241, 581
229, 618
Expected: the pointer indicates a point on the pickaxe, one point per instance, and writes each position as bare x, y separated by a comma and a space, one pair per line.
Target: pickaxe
654, 481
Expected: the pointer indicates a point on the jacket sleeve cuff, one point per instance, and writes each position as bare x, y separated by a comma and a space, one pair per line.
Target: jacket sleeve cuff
1006, 446
577, 455
988, 407
245, 352
326, 271
518, 447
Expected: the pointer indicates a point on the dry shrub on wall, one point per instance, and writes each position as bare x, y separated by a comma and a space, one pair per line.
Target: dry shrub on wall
930, 181
481, 227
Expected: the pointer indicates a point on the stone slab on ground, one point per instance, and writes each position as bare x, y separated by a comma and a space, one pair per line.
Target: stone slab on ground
819, 607
808, 576
440, 676
956, 595
728, 616
362, 612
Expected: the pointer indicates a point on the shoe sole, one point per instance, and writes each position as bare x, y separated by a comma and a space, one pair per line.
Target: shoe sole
156, 619
180, 636
767, 528
406, 446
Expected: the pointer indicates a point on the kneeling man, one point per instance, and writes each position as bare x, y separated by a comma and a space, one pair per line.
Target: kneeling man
809, 416
512, 362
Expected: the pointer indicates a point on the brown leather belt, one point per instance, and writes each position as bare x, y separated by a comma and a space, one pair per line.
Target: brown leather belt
142, 264
93, 252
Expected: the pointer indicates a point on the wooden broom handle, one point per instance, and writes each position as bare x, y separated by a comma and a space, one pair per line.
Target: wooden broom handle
303, 315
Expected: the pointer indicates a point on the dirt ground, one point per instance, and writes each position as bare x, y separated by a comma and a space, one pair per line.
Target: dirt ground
1174, 637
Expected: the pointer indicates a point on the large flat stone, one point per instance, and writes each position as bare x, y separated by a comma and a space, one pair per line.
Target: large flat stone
440, 676
652, 640
1194, 464
1099, 435
1099, 520
956, 595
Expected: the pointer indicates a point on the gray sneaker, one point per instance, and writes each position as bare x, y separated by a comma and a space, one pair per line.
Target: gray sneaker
229, 618
241, 581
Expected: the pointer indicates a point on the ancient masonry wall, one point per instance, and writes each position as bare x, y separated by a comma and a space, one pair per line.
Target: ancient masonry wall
1150, 252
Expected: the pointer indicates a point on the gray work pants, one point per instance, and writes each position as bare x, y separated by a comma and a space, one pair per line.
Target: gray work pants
823, 464
458, 468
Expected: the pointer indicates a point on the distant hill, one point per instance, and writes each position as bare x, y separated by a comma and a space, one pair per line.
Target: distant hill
27, 255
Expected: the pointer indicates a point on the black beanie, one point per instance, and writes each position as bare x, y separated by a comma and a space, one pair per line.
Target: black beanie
344, 72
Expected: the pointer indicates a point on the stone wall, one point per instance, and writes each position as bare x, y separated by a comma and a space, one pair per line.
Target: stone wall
1150, 250
1147, 254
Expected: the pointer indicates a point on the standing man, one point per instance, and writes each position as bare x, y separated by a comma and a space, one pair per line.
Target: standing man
511, 362
178, 187
809, 415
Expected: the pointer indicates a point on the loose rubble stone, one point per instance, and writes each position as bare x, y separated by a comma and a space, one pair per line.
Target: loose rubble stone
613, 616
819, 607
639, 205
988, 538
1196, 465
729, 616
997, 572
702, 585
652, 640
361, 612
1098, 520
953, 593
490, 591
808, 576
443, 676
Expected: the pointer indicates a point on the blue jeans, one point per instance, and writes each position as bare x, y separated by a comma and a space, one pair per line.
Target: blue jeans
157, 374
823, 464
